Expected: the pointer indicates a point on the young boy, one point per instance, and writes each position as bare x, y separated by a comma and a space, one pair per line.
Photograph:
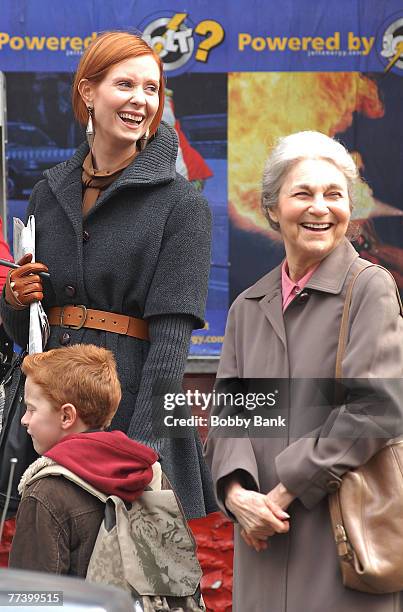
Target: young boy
71, 395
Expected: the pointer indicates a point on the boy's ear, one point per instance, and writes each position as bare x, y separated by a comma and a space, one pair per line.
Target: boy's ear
68, 416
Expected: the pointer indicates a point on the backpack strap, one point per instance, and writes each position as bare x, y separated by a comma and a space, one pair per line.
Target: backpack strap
59, 470
346, 312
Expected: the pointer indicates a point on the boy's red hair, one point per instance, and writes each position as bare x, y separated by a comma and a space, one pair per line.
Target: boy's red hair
83, 375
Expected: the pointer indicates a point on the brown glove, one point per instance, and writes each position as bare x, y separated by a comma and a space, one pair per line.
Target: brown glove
23, 285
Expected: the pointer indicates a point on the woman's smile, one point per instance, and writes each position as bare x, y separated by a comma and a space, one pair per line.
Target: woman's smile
131, 120
313, 212
125, 103
317, 227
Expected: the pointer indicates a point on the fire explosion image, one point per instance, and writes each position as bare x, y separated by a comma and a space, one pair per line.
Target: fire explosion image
265, 106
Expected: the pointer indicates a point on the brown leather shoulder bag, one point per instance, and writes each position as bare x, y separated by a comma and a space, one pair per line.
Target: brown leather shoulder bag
367, 510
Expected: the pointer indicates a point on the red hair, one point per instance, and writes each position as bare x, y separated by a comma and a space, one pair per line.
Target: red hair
104, 52
84, 375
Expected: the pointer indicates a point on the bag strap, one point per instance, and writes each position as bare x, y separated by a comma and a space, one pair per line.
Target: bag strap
59, 470
344, 549
346, 312
342, 543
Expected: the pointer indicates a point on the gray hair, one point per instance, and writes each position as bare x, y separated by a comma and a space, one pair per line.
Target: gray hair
297, 147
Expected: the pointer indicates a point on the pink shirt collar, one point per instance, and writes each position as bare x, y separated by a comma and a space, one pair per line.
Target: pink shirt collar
290, 289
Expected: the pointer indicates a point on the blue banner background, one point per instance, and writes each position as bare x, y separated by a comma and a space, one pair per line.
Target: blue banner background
258, 18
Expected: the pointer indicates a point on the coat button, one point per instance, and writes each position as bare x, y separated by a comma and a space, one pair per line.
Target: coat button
65, 339
86, 236
303, 297
70, 290
332, 486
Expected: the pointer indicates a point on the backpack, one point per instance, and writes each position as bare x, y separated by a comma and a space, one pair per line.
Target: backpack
145, 548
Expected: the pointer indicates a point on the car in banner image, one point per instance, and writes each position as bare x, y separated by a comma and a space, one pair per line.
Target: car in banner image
207, 133
29, 152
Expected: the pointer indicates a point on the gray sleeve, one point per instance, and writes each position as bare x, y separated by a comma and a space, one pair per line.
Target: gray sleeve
166, 360
185, 248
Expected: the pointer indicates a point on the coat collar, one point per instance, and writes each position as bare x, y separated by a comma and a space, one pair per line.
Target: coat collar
32, 470
268, 289
328, 277
331, 275
155, 165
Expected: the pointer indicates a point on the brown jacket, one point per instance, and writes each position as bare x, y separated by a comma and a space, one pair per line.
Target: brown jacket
299, 571
57, 525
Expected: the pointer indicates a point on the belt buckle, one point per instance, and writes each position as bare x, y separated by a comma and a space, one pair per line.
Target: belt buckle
80, 325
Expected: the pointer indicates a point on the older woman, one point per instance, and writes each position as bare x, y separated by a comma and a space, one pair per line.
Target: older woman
275, 486
127, 244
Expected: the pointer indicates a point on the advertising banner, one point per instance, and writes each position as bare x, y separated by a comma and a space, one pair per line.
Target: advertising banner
203, 36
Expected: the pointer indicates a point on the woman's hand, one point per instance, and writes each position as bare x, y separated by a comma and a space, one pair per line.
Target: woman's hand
258, 515
281, 496
23, 285
255, 543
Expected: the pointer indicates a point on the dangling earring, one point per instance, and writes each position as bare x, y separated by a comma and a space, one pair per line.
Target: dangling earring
142, 142
90, 131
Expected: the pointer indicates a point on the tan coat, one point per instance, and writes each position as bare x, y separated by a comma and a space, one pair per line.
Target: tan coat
299, 572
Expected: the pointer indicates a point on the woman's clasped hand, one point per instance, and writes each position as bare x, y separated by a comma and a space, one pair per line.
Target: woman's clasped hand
260, 516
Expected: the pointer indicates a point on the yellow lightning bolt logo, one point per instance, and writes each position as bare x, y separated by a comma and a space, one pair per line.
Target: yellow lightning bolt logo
173, 25
399, 52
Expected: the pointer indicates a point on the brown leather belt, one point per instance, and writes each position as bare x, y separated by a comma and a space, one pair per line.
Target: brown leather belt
76, 317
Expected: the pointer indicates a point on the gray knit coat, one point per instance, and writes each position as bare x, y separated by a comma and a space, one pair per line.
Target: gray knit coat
143, 250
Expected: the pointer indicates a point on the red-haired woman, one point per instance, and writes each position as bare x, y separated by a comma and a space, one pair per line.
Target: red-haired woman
127, 243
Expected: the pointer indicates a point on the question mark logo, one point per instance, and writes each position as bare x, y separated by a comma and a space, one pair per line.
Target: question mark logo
392, 41
216, 36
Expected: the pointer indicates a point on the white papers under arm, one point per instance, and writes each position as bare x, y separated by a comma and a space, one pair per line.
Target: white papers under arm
24, 242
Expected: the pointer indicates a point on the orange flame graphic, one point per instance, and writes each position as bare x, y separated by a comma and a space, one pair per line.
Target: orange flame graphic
264, 106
